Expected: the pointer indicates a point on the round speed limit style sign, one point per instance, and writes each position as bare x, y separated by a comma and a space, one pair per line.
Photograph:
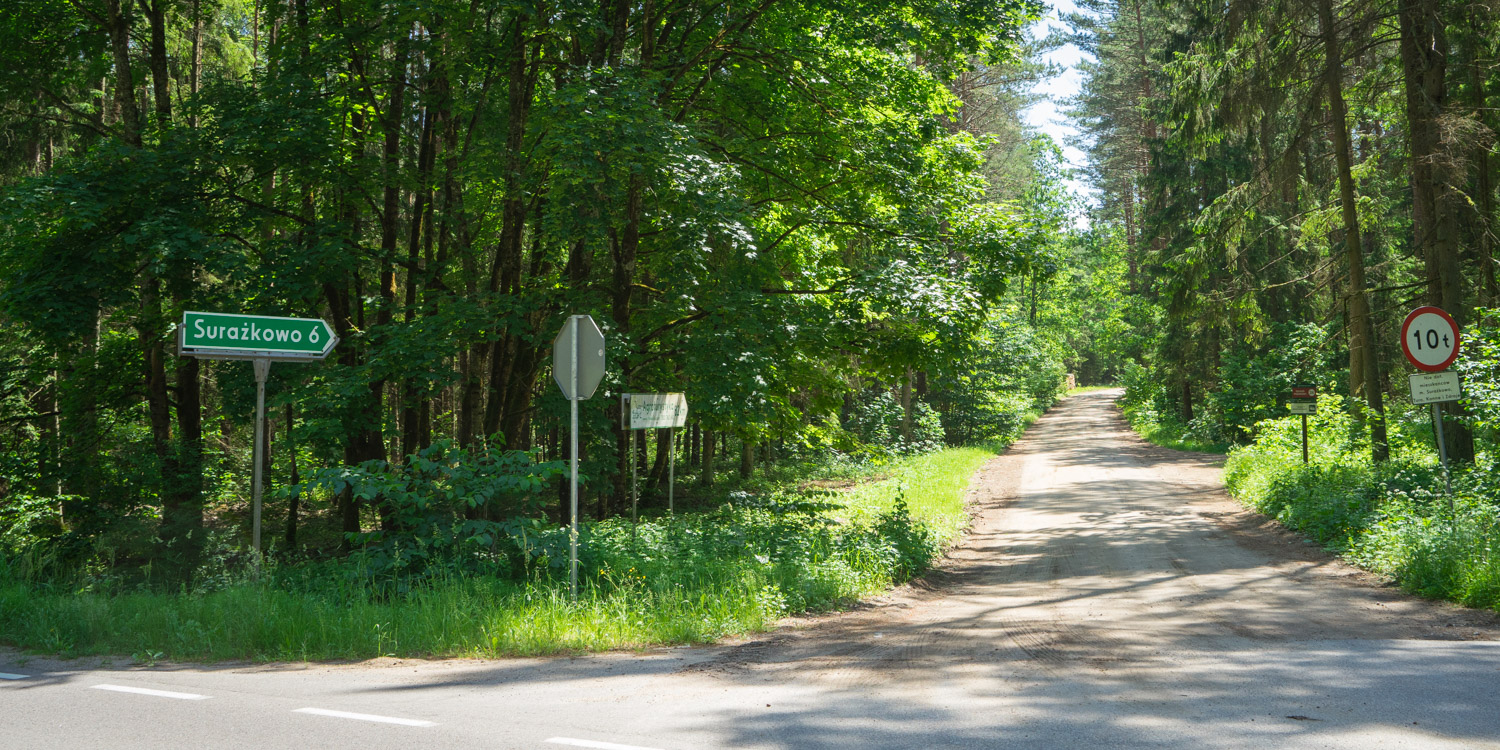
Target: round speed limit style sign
1429, 338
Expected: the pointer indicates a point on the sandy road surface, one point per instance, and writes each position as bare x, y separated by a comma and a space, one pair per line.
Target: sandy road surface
1108, 595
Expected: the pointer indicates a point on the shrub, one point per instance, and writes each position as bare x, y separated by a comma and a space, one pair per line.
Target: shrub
876, 421
433, 508
1394, 518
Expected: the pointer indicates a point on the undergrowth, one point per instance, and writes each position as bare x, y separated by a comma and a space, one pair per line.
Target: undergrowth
688, 578
1394, 518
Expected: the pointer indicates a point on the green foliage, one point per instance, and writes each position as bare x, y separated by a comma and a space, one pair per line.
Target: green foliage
1013, 373
1393, 518
680, 579
1152, 410
1253, 382
428, 503
876, 421
1480, 369
765, 207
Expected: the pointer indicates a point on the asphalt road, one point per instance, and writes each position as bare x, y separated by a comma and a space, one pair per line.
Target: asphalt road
1107, 596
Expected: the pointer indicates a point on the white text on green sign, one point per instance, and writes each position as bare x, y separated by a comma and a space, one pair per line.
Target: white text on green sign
225, 333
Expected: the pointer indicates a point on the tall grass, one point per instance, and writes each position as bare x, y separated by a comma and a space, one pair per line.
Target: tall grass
932, 485
689, 578
1394, 518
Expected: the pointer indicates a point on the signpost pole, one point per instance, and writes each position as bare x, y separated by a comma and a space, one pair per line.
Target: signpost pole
635, 483
262, 339
1437, 428
1304, 438
257, 454
671, 465
573, 460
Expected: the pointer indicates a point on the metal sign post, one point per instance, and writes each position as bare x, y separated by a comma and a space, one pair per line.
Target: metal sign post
258, 454
262, 339
1435, 388
635, 474
1430, 340
577, 366
1304, 439
573, 460
645, 411
1437, 428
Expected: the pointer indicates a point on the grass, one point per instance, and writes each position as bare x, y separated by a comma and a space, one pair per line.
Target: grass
1166, 430
690, 578
1088, 389
932, 485
1176, 437
1393, 518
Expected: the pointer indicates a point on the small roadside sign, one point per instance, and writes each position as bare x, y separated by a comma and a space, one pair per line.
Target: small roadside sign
233, 336
262, 339
1434, 387
654, 411
1430, 339
1304, 391
646, 411
1302, 407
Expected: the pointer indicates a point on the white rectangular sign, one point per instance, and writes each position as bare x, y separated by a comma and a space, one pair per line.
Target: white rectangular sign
1302, 407
1435, 387
655, 410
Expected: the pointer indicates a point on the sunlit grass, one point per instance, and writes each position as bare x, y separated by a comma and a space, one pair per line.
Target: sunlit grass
1088, 389
1395, 517
933, 486
1175, 437
692, 578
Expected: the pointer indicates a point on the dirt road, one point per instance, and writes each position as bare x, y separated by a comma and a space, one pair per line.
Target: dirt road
1108, 595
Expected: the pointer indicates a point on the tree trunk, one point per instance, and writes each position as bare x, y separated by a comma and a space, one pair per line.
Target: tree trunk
117, 17
1187, 400
80, 427
175, 525
48, 472
747, 458
511, 364
707, 477
294, 500
195, 71
1437, 196
658, 473
413, 400
1364, 373
156, 15
1489, 292
906, 406
186, 519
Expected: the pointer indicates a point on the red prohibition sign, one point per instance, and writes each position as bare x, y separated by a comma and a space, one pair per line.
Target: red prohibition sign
1429, 339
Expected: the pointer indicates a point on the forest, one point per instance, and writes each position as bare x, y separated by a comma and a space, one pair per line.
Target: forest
825, 222
1290, 180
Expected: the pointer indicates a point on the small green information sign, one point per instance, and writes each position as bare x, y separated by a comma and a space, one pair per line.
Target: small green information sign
206, 334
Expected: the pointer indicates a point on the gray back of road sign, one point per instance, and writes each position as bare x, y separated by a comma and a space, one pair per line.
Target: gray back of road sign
590, 356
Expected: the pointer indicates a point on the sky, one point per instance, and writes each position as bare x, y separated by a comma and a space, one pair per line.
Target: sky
1047, 116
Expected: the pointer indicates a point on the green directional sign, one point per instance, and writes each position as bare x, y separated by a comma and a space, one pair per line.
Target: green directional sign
205, 334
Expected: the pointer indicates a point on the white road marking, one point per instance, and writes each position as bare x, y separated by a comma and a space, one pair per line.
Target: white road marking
12, 676
149, 691
366, 717
594, 744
